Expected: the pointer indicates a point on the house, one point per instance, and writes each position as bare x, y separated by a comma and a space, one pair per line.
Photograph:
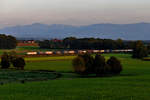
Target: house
27, 43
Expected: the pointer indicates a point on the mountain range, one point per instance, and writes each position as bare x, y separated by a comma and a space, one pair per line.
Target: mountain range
137, 31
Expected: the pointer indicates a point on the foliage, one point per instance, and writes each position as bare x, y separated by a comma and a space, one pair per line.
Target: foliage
51, 44
79, 65
83, 64
99, 65
89, 61
115, 65
12, 58
18, 62
12, 55
84, 43
86, 64
120, 44
7, 42
139, 50
5, 62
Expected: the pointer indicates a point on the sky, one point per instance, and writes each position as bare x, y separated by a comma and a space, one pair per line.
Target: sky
73, 12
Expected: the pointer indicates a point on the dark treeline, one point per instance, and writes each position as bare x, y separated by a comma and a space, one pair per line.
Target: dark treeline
7, 42
85, 43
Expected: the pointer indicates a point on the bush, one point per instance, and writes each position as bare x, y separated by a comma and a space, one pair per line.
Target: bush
79, 65
7, 59
99, 65
115, 65
5, 63
19, 63
85, 64
89, 61
12, 56
7, 42
139, 50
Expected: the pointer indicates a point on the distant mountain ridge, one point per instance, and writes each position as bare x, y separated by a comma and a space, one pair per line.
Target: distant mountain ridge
137, 31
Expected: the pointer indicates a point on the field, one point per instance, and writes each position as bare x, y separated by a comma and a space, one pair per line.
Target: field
132, 84
21, 50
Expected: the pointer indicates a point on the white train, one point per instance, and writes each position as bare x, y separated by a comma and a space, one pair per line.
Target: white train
79, 52
32, 53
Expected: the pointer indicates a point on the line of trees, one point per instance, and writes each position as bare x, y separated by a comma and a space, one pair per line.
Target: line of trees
50, 44
7, 42
85, 43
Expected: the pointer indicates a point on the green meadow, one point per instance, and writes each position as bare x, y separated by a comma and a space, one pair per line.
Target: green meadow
132, 84
32, 48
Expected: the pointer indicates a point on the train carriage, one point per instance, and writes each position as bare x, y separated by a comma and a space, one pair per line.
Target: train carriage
49, 52
32, 53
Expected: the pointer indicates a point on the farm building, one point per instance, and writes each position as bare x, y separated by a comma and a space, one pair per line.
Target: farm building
27, 43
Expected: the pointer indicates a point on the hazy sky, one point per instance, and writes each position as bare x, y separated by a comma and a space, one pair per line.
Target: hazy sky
74, 12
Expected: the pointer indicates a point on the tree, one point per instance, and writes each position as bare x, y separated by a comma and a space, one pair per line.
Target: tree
139, 50
79, 65
99, 65
120, 44
89, 61
5, 62
7, 42
68, 42
12, 56
19, 63
115, 65
83, 64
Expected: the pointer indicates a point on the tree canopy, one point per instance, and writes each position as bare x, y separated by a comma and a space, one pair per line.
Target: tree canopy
7, 42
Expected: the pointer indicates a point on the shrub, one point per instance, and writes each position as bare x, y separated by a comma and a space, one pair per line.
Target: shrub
115, 65
83, 64
12, 56
5, 63
79, 65
19, 63
139, 50
89, 61
99, 65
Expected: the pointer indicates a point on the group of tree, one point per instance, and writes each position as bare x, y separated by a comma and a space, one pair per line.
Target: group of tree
139, 50
84, 43
11, 58
87, 64
7, 42
50, 44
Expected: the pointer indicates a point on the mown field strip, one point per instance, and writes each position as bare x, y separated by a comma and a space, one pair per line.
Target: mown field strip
55, 58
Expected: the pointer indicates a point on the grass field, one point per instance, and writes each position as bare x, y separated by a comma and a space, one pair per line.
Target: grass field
24, 49
132, 84
9, 76
29, 48
33, 48
49, 58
